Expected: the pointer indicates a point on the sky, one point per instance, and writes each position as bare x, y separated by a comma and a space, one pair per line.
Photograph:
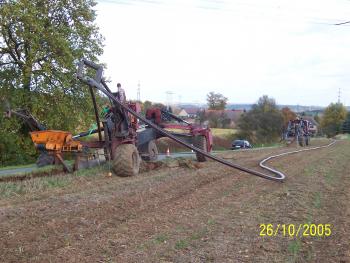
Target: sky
179, 50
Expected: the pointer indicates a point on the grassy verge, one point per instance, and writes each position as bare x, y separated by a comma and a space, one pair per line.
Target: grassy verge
46, 183
36, 171
342, 137
261, 145
16, 166
48, 169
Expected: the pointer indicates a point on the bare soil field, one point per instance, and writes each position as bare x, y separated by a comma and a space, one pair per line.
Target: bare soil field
182, 213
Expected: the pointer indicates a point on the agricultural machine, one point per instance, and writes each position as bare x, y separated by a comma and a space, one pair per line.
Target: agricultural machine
121, 135
298, 130
122, 138
34, 125
124, 135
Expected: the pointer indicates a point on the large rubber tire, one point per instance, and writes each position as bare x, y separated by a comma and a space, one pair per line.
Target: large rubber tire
45, 159
301, 141
307, 140
126, 160
151, 150
200, 142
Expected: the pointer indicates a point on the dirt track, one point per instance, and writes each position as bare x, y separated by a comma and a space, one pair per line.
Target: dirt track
186, 214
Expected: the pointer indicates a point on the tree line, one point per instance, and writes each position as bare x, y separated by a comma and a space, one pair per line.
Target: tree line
265, 122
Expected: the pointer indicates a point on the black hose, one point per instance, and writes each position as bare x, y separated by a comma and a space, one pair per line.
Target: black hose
93, 83
261, 164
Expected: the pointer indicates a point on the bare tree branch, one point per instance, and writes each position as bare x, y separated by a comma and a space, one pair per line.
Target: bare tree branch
17, 44
44, 58
8, 63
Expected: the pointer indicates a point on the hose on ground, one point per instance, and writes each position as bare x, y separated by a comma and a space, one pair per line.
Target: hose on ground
280, 174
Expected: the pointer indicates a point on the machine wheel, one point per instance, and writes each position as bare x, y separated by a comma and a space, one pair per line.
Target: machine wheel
45, 159
301, 141
201, 143
126, 160
151, 150
307, 140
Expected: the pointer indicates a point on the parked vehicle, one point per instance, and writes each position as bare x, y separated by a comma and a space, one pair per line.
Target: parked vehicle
240, 144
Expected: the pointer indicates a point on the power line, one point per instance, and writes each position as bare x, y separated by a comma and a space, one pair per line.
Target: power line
255, 10
169, 98
342, 23
138, 91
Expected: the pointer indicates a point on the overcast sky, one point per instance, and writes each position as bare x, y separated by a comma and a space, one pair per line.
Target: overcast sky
289, 50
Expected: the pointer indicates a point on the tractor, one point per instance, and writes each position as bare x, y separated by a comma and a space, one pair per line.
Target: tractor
123, 138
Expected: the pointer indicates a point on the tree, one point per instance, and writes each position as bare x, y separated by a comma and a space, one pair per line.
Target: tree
218, 120
317, 118
145, 105
159, 105
333, 117
263, 123
41, 42
265, 105
216, 101
148, 104
345, 128
287, 115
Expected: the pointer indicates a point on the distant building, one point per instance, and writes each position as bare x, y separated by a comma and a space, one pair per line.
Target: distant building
191, 113
183, 113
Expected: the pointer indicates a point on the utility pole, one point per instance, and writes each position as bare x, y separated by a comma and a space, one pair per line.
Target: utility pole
339, 92
169, 98
138, 92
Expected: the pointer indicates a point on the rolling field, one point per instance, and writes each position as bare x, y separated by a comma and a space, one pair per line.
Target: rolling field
184, 213
223, 132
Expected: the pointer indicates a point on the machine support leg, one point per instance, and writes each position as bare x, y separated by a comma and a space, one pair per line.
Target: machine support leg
76, 162
65, 167
96, 113
107, 148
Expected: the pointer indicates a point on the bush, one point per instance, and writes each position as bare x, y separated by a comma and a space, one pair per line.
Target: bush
333, 118
263, 124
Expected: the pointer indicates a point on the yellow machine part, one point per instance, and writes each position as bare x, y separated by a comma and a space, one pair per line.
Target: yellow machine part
54, 140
